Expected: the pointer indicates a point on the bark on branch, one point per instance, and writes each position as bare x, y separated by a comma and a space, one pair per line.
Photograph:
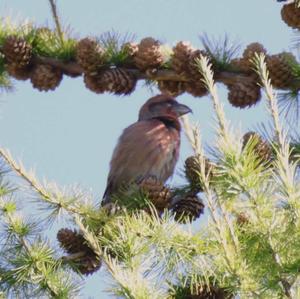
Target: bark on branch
225, 77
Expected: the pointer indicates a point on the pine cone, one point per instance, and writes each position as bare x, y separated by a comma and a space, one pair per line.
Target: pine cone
244, 93
181, 58
94, 83
196, 89
130, 50
290, 14
280, 68
157, 193
118, 81
242, 219
262, 148
20, 73
148, 56
73, 242
45, 77
248, 54
174, 88
189, 208
192, 172
90, 56
17, 51
209, 292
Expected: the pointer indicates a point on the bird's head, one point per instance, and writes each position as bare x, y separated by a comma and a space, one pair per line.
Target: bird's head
163, 107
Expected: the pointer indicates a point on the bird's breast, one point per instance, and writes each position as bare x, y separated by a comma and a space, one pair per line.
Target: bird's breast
165, 163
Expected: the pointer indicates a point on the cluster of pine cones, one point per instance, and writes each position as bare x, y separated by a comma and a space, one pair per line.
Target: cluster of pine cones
187, 208
245, 93
147, 57
19, 64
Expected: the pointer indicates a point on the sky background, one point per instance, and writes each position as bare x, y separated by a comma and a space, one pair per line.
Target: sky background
68, 135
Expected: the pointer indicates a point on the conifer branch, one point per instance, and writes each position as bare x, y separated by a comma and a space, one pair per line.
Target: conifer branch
205, 68
29, 251
195, 140
38, 187
272, 102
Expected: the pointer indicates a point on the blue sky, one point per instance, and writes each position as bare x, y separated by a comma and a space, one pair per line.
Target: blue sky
68, 135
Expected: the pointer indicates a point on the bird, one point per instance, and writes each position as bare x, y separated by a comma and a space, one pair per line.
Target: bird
148, 147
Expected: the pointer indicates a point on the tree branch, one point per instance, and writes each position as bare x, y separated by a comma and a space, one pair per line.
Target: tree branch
56, 20
38, 188
225, 77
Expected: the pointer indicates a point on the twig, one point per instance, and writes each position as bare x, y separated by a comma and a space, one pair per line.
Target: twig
208, 79
37, 186
225, 77
28, 250
56, 20
283, 153
272, 101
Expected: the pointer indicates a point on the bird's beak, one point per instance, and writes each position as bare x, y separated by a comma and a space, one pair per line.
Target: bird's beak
181, 109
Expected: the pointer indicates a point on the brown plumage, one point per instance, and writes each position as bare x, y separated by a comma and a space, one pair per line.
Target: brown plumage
149, 147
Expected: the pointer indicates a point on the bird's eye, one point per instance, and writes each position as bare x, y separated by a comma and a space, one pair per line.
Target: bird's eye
169, 103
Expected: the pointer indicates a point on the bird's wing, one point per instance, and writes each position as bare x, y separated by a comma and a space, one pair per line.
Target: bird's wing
146, 148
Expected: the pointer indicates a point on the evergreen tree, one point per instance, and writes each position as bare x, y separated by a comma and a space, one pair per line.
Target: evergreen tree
249, 185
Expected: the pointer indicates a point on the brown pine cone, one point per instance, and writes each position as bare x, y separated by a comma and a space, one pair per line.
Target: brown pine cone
196, 89
290, 14
17, 51
248, 54
148, 56
280, 68
94, 83
129, 49
242, 219
208, 292
73, 242
20, 73
262, 148
118, 81
157, 193
244, 94
188, 208
192, 172
45, 77
181, 58
90, 56
174, 88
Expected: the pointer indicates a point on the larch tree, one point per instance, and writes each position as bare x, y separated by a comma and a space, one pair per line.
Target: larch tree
248, 185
